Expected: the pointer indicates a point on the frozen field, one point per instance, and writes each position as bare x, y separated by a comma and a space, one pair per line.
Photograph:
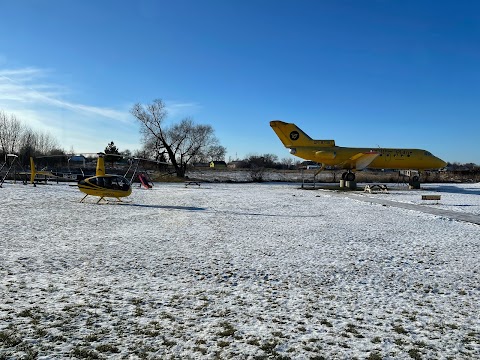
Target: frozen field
454, 197
241, 271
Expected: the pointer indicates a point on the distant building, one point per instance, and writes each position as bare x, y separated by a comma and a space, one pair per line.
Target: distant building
77, 159
201, 165
218, 164
306, 164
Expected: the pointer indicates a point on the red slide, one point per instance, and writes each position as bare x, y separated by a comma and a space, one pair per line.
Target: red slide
144, 181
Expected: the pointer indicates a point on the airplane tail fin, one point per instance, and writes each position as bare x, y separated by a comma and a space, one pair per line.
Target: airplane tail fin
33, 172
290, 134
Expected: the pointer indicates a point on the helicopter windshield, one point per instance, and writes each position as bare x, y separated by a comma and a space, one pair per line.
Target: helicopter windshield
120, 183
115, 182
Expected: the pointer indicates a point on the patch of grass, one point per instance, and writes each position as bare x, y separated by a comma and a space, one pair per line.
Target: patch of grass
254, 342
136, 301
353, 330
168, 343
26, 313
6, 356
376, 340
411, 317
107, 348
31, 354
228, 329
84, 353
223, 344
269, 346
9, 339
168, 316
420, 344
399, 329
58, 338
326, 323
470, 337
151, 333
200, 349
374, 356
415, 354
139, 311
399, 342
91, 338
41, 332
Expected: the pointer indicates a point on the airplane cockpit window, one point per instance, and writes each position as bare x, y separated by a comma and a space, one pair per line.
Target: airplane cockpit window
427, 153
93, 181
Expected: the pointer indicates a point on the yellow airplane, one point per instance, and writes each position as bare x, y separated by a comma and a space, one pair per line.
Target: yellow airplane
352, 159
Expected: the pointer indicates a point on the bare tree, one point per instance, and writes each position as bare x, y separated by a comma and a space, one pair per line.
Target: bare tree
181, 143
45, 143
216, 153
10, 133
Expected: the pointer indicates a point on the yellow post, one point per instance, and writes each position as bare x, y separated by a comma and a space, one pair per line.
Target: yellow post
32, 171
100, 166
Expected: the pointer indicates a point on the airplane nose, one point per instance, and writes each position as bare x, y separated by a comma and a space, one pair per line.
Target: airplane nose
441, 163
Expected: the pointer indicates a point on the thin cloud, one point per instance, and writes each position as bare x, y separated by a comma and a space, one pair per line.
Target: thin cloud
35, 99
32, 96
180, 109
28, 86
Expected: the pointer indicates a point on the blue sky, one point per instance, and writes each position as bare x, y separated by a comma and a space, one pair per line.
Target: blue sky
365, 73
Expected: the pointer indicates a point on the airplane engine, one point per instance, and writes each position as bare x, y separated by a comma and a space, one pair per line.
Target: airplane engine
293, 151
325, 155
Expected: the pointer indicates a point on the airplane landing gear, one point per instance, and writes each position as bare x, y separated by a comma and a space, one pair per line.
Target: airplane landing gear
348, 176
414, 182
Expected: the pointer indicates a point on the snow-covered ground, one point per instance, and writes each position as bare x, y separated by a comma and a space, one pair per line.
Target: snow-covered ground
241, 271
454, 197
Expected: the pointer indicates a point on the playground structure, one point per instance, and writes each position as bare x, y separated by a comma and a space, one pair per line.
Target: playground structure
13, 159
144, 181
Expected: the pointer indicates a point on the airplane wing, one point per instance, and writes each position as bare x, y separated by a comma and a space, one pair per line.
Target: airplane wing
361, 160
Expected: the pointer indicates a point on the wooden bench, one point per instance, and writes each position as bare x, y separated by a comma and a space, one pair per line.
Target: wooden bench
371, 188
187, 183
431, 197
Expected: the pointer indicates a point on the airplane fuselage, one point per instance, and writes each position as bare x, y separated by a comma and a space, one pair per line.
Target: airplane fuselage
388, 158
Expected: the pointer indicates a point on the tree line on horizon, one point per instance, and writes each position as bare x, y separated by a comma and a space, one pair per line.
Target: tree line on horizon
181, 144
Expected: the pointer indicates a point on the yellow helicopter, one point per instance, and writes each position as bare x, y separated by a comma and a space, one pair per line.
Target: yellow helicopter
104, 185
